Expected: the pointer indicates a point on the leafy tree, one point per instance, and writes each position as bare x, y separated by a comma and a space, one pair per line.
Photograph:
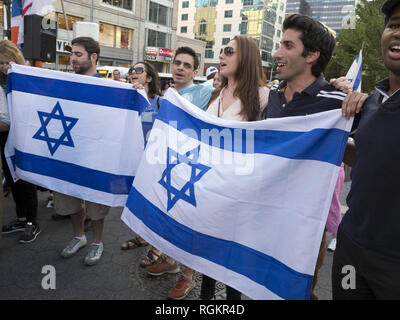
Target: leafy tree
367, 34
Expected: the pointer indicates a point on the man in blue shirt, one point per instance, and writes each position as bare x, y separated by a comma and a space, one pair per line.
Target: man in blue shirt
184, 69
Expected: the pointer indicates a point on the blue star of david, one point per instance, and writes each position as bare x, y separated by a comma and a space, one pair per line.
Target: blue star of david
186, 193
67, 123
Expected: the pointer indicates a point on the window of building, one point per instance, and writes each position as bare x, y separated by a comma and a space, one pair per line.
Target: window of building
185, 4
123, 38
206, 3
228, 13
123, 4
158, 39
225, 41
106, 34
183, 29
209, 54
228, 1
71, 21
114, 36
227, 27
210, 44
202, 27
159, 14
184, 17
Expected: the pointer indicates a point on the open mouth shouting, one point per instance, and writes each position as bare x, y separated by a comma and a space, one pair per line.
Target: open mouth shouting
394, 51
280, 66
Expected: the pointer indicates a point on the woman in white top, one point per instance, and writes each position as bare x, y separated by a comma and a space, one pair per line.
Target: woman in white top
242, 96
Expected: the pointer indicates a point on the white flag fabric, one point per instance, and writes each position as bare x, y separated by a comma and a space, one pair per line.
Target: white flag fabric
243, 202
74, 134
355, 72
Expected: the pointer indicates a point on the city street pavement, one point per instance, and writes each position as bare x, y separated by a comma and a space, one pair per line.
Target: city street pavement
117, 276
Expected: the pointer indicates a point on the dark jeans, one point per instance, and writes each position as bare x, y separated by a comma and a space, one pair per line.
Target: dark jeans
376, 276
208, 290
24, 193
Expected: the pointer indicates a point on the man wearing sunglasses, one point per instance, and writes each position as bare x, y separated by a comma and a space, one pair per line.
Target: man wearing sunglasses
184, 69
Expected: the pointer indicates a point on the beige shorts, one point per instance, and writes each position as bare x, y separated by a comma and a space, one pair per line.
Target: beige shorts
66, 205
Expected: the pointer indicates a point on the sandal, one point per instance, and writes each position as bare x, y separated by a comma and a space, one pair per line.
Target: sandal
151, 258
134, 243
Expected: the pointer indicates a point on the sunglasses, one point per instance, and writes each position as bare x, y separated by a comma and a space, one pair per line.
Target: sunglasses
137, 70
228, 51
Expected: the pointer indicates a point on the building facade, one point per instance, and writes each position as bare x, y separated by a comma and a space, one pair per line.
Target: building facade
335, 14
129, 30
216, 22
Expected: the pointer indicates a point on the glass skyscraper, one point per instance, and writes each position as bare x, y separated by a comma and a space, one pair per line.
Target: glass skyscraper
333, 13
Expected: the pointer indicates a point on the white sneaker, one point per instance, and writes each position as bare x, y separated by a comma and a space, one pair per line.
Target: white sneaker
332, 245
94, 254
73, 247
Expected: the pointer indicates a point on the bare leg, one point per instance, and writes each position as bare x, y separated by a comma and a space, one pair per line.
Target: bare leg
98, 226
77, 223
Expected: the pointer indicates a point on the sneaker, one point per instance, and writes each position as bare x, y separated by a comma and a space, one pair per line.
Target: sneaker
14, 226
163, 267
332, 245
73, 246
94, 254
30, 233
182, 288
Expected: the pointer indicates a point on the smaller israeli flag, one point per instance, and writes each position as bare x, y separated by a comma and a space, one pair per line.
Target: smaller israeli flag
354, 73
74, 134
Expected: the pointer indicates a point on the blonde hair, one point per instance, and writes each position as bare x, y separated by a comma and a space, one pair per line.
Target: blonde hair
11, 51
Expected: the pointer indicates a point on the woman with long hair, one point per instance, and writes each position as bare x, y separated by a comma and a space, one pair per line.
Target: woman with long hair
241, 96
24, 193
144, 75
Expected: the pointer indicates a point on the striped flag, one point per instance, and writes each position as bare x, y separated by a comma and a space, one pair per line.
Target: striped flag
21, 8
74, 134
355, 72
17, 23
245, 203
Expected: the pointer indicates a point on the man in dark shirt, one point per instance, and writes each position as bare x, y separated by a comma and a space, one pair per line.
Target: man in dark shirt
366, 263
305, 50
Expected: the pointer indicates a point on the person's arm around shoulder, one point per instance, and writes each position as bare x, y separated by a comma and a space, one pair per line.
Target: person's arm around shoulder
354, 100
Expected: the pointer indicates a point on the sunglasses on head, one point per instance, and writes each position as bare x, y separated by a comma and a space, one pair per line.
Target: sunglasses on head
137, 70
228, 51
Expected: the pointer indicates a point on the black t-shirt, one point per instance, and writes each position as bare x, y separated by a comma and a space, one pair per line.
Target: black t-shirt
373, 218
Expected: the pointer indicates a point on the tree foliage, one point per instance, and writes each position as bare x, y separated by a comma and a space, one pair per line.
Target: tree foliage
367, 33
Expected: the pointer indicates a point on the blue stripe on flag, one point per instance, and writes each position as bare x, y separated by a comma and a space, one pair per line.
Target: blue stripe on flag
16, 8
259, 267
82, 176
77, 91
287, 144
357, 81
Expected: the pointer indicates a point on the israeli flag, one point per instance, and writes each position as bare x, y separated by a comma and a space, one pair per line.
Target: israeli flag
74, 134
245, 203
355, 72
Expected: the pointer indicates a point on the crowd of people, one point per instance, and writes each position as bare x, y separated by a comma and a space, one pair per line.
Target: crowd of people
368, 235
